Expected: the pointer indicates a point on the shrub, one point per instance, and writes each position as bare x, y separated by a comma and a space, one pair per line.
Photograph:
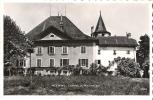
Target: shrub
76, 70
93, 69
145, 67
127, 67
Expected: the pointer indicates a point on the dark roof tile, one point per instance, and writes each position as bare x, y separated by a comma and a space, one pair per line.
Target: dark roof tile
117, 41
69, 28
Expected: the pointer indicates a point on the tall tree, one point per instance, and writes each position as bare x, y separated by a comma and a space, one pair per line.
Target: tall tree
15, 42
143, 50
143, 54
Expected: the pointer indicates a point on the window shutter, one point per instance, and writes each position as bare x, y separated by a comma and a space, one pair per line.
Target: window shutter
24, 62
60, 62
86, 62
79, 62
81, 49
40, 62
53, 62
67, 61
41, 50
48, 50
37, 50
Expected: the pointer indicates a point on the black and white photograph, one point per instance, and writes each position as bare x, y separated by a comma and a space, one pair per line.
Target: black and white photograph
76, 49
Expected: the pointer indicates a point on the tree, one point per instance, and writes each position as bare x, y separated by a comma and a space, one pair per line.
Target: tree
15, 42
143, 50
143, 54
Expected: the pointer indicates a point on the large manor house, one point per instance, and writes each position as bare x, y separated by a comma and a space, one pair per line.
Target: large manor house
58, 43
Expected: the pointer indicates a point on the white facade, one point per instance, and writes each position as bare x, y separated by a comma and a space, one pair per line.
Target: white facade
106, 54
94, 53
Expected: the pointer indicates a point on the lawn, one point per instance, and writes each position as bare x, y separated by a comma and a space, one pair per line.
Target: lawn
75, 85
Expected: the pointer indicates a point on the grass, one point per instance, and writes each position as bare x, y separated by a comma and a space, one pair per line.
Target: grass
75, 85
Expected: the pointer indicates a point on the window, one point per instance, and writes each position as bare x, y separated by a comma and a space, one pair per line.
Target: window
128, 51
38, 62
64, 62
99, 61
52, 62
51, 50
52, 35
83, 62
65, 50
114, 52
98, 52
39, 51
22, 62
83, 49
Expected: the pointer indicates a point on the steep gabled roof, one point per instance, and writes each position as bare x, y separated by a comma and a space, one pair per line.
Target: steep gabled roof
117, 41
69, 28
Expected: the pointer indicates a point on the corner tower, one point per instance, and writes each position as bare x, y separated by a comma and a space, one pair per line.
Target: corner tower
100, 29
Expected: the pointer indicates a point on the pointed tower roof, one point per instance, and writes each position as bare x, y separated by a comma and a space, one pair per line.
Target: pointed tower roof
100, 28
100, 25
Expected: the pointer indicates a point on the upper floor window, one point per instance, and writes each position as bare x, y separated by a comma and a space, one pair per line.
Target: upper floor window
83, 49
128, 51
39, 50
51, 50
114, 53
65, 50
98, 52
22, 62
99, 61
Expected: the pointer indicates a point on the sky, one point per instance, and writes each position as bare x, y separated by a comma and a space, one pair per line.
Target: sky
119, 18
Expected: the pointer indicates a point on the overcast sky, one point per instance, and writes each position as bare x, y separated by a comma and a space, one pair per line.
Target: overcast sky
118, 18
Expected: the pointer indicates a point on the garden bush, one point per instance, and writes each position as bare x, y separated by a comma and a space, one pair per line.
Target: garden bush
128, 67
145, 68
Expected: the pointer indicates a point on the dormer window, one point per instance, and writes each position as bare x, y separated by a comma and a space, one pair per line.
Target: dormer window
52, 35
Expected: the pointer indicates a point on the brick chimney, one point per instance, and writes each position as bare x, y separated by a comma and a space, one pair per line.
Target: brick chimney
128, 35
61, 22
92, 30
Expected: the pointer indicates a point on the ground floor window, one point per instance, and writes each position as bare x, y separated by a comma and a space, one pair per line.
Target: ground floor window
22, 62
64, 62
83, 62
114, 53
99, 61
52, 62
128, 52
38, 62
